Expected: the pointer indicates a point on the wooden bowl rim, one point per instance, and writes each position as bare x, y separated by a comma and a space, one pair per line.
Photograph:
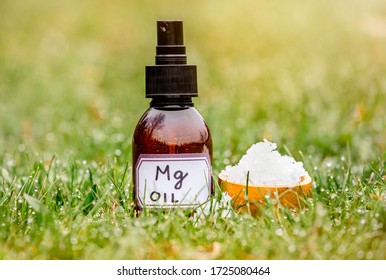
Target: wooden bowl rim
305, 180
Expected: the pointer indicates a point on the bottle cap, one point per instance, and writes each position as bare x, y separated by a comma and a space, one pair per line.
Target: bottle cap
171, 76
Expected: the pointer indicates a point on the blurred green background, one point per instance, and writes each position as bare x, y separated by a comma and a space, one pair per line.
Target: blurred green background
307, 74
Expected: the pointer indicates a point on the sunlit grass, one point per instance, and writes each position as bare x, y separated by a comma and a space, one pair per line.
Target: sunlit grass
309, 76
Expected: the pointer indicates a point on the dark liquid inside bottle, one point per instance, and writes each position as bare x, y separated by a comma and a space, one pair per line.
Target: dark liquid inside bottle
171, 130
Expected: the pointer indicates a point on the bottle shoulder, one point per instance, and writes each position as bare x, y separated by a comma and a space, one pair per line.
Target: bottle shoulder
177, 125
174, 110
172, 117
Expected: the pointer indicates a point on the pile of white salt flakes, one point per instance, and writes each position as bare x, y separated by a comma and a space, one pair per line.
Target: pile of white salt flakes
266, 167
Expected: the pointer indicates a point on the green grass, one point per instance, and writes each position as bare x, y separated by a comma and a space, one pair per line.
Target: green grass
309, 76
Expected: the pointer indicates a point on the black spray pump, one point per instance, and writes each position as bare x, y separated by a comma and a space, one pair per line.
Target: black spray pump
171, 77
170, 48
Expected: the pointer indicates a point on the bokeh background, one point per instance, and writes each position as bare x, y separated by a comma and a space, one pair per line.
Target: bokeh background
307, 74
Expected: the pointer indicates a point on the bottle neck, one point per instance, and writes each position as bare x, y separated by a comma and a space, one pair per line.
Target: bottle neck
171, 102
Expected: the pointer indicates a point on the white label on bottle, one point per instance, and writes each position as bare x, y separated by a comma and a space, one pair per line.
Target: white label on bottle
170, 180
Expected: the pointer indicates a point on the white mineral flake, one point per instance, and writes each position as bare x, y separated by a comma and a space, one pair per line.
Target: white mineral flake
266, 167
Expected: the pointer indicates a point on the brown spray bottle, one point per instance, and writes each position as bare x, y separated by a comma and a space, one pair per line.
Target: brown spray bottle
172, 145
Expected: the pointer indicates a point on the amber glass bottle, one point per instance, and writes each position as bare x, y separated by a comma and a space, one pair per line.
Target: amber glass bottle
172, 145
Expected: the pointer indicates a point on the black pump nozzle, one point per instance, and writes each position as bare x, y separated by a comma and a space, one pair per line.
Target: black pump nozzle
170, 32
171, 77
170, 48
